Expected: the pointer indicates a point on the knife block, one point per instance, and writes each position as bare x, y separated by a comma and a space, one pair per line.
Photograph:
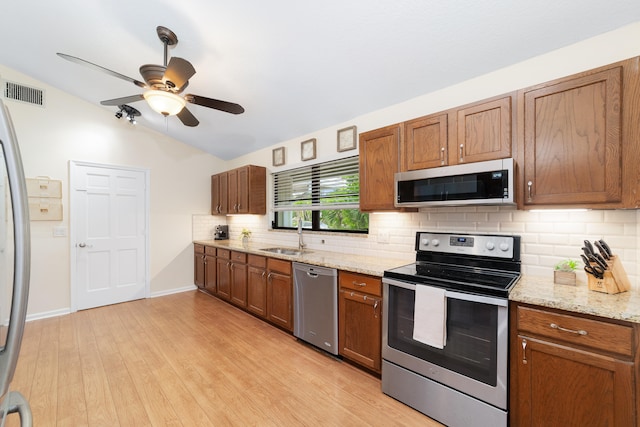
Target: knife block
615, 278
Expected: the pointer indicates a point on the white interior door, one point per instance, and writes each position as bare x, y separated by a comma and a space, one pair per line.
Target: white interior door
109, 218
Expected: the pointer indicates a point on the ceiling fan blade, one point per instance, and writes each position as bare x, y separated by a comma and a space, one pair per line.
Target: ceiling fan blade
99, 68
124, 100
187, 118
178, 71
216, 104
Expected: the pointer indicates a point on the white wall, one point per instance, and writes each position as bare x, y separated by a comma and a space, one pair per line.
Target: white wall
547, 237
68, 128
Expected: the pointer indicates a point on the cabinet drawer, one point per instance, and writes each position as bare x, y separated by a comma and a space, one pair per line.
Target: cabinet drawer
199, 249
224, 253
210, 250
239, 257
257, 261
281, 266
601, 335
361, 283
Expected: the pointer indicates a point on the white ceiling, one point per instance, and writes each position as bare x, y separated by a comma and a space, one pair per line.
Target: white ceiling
295, 66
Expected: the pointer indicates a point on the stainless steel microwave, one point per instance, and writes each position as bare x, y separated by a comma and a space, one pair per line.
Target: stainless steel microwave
480, 183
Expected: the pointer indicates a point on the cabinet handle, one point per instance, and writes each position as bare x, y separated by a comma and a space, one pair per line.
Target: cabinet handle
362, 284
375, 308
269, 278
529, 185
204, 259
264, 273
235, 207
442, 155
524, 352
572, 331
461, 152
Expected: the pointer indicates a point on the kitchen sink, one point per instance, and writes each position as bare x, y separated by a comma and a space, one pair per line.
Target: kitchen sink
285, 251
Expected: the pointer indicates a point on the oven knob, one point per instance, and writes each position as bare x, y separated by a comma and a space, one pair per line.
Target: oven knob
435, 242
490, 246
504, 246
425, 242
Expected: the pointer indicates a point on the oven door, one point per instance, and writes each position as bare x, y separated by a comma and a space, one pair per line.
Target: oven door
474, 358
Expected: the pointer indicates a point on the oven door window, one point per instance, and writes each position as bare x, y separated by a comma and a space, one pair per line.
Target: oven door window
472, 334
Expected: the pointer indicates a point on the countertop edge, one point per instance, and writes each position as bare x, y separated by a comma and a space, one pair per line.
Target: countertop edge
541, 291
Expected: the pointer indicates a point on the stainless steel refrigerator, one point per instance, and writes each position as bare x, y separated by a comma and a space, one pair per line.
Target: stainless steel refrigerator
15, 261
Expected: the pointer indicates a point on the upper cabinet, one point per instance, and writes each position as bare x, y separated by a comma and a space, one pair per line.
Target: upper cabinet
379, 160
580, 139
471, 133
240, 191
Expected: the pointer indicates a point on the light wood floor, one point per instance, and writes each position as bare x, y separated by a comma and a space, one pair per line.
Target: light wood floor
190, 360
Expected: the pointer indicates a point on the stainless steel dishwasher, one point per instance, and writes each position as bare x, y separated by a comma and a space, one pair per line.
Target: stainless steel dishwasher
315, 308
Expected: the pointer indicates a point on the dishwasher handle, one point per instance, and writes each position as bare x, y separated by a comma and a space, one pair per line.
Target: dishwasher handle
312, 274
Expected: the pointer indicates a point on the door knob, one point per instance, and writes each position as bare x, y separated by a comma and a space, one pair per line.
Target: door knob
82, 245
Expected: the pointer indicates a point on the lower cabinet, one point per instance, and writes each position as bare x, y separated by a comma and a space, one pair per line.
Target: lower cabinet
257, 285
223, 264
280, 293
210, 270
360, 319
198, 265
569, 369
238, 280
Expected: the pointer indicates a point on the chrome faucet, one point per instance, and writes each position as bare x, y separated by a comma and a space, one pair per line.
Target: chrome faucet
301, 244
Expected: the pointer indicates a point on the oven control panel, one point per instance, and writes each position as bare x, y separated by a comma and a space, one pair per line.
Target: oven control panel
469, 244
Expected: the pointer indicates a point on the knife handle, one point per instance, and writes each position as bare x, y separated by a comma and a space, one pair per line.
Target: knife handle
606, 247
602, 250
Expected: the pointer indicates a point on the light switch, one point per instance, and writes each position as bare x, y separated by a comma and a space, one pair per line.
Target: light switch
59, 231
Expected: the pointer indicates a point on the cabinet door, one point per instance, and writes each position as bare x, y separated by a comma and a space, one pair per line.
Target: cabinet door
198, 266
257, 290
572, 140
279, 300
379, 161
210, 272
239, 284
223, 288
562, 386
482, 132
360, 328
232, 188
219, 193
425, 143
242, 192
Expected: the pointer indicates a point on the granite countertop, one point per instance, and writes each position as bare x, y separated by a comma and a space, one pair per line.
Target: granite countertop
529, 289
374, 266
579, 299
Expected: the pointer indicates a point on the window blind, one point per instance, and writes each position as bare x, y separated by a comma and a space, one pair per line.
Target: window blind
329, 185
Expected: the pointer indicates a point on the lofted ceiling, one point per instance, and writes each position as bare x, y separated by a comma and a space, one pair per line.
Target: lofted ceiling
295, 66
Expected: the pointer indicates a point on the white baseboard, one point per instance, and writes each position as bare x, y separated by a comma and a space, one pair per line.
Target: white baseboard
173, 291
47, 314
63, 311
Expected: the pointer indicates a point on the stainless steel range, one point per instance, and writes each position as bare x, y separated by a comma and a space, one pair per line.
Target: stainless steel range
445, 327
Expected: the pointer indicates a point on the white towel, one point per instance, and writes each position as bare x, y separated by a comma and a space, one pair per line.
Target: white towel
430, 316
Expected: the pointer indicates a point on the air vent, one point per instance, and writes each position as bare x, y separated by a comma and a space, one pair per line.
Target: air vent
22, 93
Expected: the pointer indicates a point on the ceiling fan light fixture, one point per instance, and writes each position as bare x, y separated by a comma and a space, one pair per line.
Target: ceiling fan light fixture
165, 103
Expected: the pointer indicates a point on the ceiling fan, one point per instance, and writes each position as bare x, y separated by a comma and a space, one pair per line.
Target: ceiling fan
164, 84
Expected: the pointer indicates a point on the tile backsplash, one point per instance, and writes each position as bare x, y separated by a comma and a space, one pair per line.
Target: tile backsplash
547, 236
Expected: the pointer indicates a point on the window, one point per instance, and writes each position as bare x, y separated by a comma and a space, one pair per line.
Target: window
325, 196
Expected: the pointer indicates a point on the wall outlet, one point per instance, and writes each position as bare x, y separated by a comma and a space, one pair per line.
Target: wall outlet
59, 231
383, 237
